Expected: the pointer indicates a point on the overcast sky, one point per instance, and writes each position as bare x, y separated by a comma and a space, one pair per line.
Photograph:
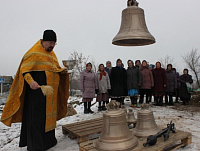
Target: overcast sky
88, 27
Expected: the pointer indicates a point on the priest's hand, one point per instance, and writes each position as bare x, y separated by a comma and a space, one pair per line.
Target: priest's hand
64, 71
34, 85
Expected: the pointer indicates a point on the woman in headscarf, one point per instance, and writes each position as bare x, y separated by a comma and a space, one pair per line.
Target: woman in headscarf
133, 82
147, 82
88, 85
185, 96
171, 85
118, 82
103, 83
160, 82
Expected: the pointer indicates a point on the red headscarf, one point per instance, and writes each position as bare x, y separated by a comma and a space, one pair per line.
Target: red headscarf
101, 72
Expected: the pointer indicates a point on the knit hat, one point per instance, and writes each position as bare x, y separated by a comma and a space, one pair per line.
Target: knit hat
49, 35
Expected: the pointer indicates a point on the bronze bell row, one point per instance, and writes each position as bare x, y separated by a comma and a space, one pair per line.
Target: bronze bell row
116, 135
133, 30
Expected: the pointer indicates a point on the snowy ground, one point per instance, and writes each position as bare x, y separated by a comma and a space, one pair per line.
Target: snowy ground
184, 120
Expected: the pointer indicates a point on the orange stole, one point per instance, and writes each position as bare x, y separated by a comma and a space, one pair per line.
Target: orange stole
38, 59
56, 103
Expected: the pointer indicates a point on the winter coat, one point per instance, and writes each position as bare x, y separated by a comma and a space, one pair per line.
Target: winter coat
88, 84
118, 81
160, 80
147, 78
133, 78
183, 92
108, 70
177, 77
171, 81
104, 83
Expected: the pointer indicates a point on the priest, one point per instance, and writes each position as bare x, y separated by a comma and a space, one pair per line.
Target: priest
28, 103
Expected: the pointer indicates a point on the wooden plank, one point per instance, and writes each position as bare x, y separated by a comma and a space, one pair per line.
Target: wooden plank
175, 147
84, 133
64, 131
82, 139
78, 127
82, 122
87, 129
187, 140
87, 145
67, 129
72, 136
99, 130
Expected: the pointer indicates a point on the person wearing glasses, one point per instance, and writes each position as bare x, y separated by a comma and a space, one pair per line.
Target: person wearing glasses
26, 101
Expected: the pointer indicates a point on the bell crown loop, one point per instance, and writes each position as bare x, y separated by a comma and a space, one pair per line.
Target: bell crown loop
113, 105
132, 3
145, 106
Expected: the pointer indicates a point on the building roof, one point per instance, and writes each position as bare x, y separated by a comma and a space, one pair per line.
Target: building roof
8, 79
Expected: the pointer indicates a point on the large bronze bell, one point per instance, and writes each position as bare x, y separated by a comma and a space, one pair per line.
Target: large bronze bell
146, 124
133, 30
115, 134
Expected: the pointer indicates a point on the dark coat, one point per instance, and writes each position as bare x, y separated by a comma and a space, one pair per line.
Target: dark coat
108, 70
171, 81
183, 93
160, 80
88, 84
147, 78
118, 82
177, 77
133, 78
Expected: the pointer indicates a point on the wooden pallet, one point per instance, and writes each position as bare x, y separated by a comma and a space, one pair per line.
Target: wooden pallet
177, 140
83, 130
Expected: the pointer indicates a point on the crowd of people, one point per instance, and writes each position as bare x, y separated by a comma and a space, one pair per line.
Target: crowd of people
140, 81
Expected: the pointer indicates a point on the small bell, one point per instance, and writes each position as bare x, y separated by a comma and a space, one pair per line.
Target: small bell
133, 30
131, 118
146, 124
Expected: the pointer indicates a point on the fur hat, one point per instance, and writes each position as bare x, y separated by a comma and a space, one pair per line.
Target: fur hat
49, 35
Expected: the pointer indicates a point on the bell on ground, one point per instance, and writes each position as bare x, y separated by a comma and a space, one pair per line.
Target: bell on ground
131, 117
146, 124
115, 134
133, 30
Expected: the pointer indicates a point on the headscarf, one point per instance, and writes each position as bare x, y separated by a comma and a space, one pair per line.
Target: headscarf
130, 61
88, 64
102, 73
117, 65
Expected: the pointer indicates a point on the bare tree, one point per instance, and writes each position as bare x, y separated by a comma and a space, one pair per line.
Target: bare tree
167, 60
81, 61
95, 65
192, 60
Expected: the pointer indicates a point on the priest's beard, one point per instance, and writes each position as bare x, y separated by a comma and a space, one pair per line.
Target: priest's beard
49, 49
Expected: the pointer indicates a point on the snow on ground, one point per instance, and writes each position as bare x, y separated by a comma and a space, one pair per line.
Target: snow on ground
186, 121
